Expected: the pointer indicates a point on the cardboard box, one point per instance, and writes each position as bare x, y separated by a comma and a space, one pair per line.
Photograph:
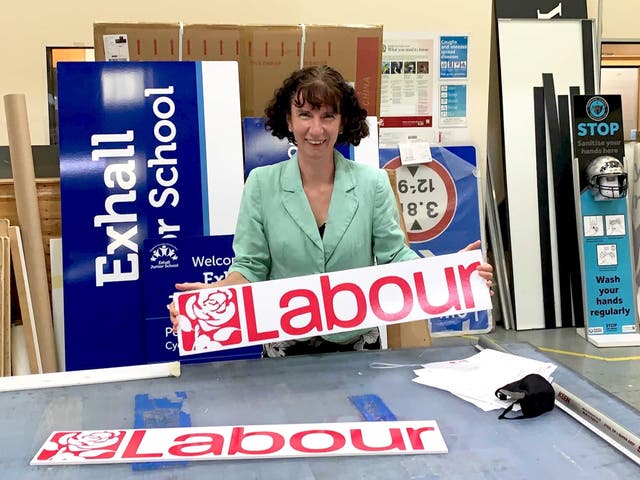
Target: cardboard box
266, 53
144, 41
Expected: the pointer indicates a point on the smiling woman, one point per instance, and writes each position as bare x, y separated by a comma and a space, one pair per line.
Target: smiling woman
316, 212
315, 109
317, 87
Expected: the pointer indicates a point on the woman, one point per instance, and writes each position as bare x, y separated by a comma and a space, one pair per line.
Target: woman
316, 212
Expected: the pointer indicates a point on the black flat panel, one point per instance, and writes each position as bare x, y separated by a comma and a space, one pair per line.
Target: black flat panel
568, 242
587, 58
546, 263
559, 164
541, 8
46, 161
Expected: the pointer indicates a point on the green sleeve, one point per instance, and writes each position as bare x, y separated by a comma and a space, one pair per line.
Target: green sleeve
250, 245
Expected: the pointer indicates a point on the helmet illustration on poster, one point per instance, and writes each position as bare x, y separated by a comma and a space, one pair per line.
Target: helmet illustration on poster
606, 178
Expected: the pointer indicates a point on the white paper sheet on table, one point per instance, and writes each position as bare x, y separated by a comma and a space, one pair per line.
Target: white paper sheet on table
475, 379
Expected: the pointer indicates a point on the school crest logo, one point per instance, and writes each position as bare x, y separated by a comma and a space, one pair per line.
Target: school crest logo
164, 255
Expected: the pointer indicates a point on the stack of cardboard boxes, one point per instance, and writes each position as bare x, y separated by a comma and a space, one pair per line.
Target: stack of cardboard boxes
266, 55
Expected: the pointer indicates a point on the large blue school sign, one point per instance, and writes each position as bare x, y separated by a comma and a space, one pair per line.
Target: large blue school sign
440, 201
143, 148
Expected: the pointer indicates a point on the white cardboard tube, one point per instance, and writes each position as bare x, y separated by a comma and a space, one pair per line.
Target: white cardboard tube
29, 216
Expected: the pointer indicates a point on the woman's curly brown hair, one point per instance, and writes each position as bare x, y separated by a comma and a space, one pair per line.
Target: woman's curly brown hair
317, 85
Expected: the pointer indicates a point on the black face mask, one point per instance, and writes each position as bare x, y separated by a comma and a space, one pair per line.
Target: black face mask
534, 394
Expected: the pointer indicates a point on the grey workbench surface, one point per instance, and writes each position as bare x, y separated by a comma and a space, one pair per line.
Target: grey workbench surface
311, 389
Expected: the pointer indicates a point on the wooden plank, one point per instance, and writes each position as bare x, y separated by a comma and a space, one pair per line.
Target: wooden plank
5, 299
6, 304
410, 334
48, 190
2, 329
88, 377
24, 299
29, 216
391, 173
19, 354
57, 299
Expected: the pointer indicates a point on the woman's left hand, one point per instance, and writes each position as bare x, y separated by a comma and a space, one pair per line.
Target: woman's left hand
485, 270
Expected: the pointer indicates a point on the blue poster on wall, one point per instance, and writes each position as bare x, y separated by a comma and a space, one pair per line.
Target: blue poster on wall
138, 159
440, 206
453, 105
454, 57
187, 259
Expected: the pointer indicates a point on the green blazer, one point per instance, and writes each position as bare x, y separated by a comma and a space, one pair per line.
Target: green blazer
277, 235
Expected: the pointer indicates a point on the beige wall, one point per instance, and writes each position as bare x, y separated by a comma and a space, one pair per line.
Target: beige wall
69, 22
621, 20
29, 28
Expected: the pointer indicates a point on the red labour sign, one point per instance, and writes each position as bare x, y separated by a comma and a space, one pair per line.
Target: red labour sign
241, 442
222, 318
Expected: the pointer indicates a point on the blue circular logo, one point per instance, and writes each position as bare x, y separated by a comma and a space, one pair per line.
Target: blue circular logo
597, 109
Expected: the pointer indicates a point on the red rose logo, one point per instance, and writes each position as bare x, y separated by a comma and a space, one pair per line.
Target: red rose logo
209, 320
65, 446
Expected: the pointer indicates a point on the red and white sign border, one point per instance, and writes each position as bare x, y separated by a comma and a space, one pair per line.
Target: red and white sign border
220, 318
241, 442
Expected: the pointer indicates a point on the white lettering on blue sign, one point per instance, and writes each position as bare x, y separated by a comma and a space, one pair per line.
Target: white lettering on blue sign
121, 228
211, 261
163, 163
211, 277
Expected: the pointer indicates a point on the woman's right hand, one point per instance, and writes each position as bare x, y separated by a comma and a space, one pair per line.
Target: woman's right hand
183, 287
